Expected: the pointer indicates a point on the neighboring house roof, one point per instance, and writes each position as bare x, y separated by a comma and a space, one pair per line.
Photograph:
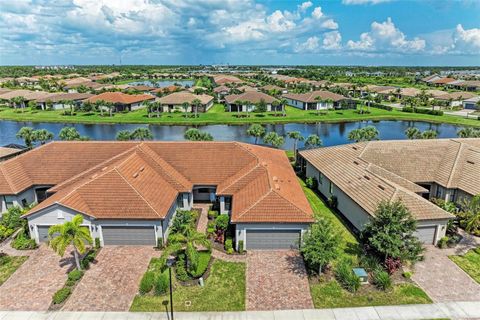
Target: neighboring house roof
180, 97
66, 96
171, 88
87, 84
311, 96
470, 83
457, 96
141, 88
225, 78
4, 90
221, 89
409, 92
369, 172
141, 180
430, 78
8, 152
75, 81
442, 80
473, 99
377, 89
269, 87
120, 97
246, 88
27, 94
250, 96
436, 93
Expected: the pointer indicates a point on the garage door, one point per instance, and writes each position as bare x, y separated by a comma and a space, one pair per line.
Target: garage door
128, 235
426, 234
43, 233
273, 239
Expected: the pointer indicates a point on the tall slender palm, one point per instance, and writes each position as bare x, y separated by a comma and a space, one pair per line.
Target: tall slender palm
70, 233
239, 105
158, 108
313, 141
148, 106
27, 134
99, 104
185, 106
42, 136
196, 103
284, 103
318, 100
296, 136
275, 105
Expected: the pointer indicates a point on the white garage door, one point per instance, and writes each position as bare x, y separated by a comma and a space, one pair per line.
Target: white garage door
272, 239
426, 234
123, 235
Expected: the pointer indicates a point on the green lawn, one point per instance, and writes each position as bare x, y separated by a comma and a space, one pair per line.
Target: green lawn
332, 295
217, 115
8, 265
224, 291
470, 263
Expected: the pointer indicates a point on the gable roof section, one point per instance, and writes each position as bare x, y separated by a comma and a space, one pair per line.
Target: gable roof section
250, 96
120, 97
311, 96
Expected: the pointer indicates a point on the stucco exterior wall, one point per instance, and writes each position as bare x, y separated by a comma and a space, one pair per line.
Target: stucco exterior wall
29, 195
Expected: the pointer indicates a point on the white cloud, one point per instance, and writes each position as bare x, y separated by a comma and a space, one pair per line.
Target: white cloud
329, 24
317, 13
332, 40
355, 2
386, 36
467, 39
304, 6
312, 44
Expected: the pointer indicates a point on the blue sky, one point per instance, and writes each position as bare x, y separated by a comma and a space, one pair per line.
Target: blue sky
343, 32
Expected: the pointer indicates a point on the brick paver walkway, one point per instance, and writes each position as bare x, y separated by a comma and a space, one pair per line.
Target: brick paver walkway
442, 279
203, 218
277, 280
31, 287
111, 283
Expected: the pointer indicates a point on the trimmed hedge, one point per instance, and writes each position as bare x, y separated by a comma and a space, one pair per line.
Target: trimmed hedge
381, 106
75, 275
61, 295
147, 282
423, 111
161, 283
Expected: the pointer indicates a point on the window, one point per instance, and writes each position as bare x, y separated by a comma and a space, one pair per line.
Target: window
180, 201
24, 203
320, 178
331, 188
60, 214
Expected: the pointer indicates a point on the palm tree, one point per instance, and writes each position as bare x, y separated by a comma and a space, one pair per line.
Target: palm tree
70, 233
196, 103
27, 134
413, 133
296, 136
313, 141
185, 106
275, 105
318, 100
71, 104
329, 102
69, 134
110, 106
42, 136
257, 131
471, 214
468, 132
274, 139
142, 134
158, 107
123, 135
99, 104
284, 103
429, 134
239, 105
148, 106
189, 241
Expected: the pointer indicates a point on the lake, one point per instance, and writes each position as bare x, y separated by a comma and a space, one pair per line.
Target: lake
162, 83
330, 133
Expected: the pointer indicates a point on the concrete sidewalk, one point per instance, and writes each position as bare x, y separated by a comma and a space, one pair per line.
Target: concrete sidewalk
450, 310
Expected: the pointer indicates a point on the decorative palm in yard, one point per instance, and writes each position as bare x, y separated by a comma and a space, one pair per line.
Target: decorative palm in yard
189, 241
70, 233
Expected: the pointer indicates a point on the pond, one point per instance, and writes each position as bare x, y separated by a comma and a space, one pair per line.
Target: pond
330, 133
162, 83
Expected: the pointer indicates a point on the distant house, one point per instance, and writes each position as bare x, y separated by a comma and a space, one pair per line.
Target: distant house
141, 88
8, 153
471, 103
441, 81
455, 98
430, 78
271, 87
175, 101
122, 101
249, 101
316, 100
168, 89
57, 101
222, 79
221, 91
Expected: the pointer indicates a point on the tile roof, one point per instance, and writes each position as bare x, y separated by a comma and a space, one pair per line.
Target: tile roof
66, 96
141, 180
184, 96
311, 96
442, 80
122, 98
250, 96
372, 171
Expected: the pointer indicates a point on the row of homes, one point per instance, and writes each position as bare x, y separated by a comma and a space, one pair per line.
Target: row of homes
459, 84
128, 192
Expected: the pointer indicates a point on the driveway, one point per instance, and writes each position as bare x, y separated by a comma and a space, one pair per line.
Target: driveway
442, 279
112, 282
31, 287
277, 280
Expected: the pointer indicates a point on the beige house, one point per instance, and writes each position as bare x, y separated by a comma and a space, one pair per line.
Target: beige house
175, 101
361, 175
316, 100
249, 100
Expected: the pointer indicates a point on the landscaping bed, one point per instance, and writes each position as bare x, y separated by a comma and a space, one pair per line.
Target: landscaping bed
8, 265
470, 263
224, 290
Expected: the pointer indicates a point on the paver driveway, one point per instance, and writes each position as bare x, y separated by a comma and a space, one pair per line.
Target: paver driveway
277, 280
112, 282
442, 279
31, 287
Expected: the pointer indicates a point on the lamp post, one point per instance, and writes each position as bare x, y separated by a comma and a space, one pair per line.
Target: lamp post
170, 263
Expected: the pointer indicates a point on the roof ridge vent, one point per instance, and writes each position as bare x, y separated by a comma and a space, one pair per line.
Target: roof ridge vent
366, 177
277, 186
135, 174
275, 178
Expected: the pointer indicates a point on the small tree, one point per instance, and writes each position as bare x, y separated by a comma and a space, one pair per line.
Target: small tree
42, 135
296, 136
69, 134
320, 244
70, 233
257, 131
194, 134
261, 106
123, 135
196, 103
185, 107
468, 132
274, 139
141, 134
390, 232
470, 215
313, 141
27, 134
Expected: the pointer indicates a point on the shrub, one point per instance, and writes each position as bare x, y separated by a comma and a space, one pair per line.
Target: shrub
221, 222
407, 274
87, 259
180, 268
345, 276
423, 111
311, 183
332, 202
443, 242
407, 109
97, 243
161, 284
75, 275
212, 214
70, 283
370, 263
228, 244
240, 246
392, 264
23, 242
61, 295
159, 243
203, 261
381, 106
146, 284
382, 280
